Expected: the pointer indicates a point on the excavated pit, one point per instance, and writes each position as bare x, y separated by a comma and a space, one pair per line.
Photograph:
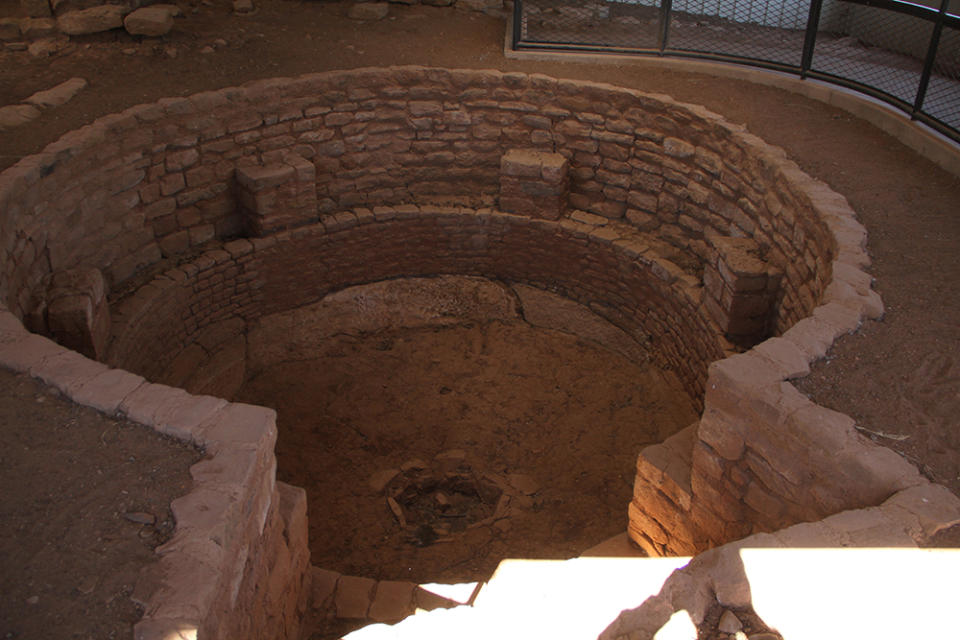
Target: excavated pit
500, 439
208, 251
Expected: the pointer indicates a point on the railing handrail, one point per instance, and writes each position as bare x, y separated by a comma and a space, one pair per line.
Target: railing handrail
939, 17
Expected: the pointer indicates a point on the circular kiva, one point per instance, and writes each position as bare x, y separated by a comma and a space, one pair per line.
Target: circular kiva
135, 237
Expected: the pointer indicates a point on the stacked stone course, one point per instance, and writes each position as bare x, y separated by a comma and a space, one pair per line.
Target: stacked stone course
405, 162
649, 297
166, 172
237, 564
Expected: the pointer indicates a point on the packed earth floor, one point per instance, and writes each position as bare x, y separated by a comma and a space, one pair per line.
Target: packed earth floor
899, 378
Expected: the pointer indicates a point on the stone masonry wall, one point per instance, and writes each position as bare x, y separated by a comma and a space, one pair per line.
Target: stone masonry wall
405, 159
159, 180
647, 296
237, 565
764, 456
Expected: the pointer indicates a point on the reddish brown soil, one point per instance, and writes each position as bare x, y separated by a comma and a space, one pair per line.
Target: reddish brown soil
898, 376
515, 399
71, 478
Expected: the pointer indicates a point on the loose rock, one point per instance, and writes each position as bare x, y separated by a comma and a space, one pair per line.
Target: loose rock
398, 512
369, 11
38, 28
523, 483
379, 481
243, 6
58, 95
413, 465
172, 8
729, 622
140, 517
93, 20
16, 115
149, 21
46, 47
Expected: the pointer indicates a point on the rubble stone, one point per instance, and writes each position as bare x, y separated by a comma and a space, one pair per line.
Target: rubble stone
36, 8
369, 11
9, 29
149, 21
58, 95
93, 20
17, 114
33, 28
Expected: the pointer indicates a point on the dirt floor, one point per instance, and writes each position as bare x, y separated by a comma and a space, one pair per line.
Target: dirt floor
86, 499
564, 413
899, 377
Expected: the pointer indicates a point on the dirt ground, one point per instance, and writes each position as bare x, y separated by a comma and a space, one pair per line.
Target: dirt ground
515, 399
86, 499
899, 377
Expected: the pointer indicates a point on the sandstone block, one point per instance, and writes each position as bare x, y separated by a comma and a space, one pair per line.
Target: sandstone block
354, 596
240, 425
676, 148
78, 315
149, 21
93, 20
106, 391
32, 28
16, 115
369, 11
392, 602
46, 47
534, 183
36, 8
277, 196
58, 95
9, 29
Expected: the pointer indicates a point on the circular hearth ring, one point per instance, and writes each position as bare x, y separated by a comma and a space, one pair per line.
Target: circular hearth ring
434, 502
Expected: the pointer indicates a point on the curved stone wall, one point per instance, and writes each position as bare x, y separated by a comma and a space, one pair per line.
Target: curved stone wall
399, 164
159, 180
644, 295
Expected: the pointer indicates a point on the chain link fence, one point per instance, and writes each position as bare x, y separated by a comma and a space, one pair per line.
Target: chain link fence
905, 53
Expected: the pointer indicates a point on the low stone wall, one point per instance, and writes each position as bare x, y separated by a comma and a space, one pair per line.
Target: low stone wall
237, 565
763, 456
727, 575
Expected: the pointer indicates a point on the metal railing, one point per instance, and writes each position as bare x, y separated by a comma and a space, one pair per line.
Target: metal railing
903, 53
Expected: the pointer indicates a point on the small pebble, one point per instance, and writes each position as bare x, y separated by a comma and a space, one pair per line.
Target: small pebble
140, 517
87, 586
206, 50
33, 599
